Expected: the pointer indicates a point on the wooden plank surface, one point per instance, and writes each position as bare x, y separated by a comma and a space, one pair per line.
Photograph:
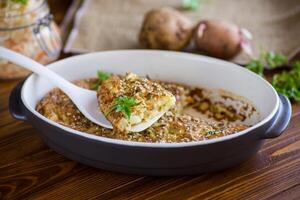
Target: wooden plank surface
30, 170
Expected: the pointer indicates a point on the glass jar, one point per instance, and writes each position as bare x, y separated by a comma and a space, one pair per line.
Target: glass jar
26, 26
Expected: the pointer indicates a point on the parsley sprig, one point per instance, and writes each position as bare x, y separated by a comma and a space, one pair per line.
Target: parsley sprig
102, 76
274, 60
288, 82
270, 59
190, 4
123, 104
256, 66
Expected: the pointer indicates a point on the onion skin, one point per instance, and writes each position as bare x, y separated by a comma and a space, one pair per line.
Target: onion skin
218, 38
165, 28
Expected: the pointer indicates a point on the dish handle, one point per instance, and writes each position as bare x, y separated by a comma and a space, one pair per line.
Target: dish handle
281, 120
16, 107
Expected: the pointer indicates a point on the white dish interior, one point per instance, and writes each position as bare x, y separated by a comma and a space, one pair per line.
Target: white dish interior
184, 68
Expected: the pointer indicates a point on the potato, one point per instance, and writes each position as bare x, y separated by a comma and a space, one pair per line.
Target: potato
218, 38
165, 28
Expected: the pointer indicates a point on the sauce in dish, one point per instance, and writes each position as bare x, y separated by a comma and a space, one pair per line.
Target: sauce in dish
198, 114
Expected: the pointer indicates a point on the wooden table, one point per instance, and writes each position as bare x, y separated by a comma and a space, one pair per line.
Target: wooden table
29, 169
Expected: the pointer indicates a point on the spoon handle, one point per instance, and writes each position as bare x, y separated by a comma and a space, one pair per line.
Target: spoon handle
37, 68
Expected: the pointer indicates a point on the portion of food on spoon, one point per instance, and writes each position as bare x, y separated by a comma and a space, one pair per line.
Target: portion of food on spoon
131, 100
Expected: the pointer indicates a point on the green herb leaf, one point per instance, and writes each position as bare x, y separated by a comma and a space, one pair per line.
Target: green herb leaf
24, 2
190, 4
266, 59
288, 83
102, 76
256, 66
210, 132
274, 60
123, 104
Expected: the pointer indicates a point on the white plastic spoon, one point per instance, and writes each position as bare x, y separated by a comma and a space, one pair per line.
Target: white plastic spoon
84, 99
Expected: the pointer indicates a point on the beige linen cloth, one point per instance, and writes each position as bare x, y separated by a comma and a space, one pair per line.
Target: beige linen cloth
115, 24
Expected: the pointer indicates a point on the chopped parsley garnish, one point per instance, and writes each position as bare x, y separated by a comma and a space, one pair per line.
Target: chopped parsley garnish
210, 132
190, 4
102, 76
123, 104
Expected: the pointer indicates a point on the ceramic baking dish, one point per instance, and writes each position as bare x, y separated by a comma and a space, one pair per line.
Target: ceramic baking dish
157, 158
